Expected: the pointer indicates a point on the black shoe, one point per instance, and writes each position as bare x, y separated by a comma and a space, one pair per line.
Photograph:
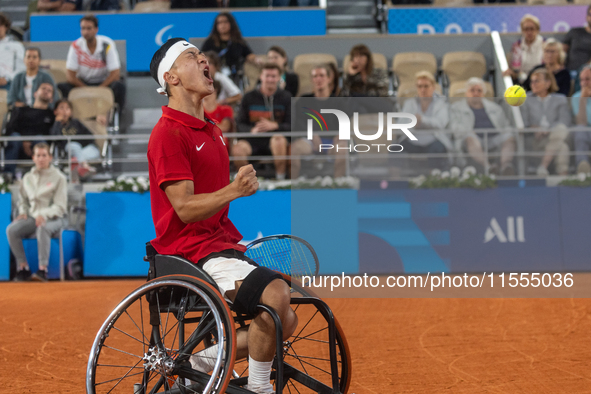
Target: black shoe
23, 275
39, 276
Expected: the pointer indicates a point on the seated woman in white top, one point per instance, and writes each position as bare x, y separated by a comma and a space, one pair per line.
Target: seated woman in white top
230, 94
549, 111
432, 114
476, 112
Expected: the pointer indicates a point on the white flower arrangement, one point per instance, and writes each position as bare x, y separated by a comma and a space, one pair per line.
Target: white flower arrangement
579, 180
4, 186
454, 178
326, 182
127, 184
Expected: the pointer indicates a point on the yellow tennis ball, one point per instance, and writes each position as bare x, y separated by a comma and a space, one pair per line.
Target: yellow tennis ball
515, 95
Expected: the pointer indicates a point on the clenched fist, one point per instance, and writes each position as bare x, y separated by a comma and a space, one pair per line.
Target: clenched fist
246, 181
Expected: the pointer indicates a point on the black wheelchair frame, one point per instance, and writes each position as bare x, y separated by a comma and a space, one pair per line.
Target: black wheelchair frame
177, 270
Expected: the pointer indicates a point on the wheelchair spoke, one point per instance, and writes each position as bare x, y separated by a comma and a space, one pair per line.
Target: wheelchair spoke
125, 376
135, 324
311, 365
298, 338
309, 321
142, 320
112, 380
296, 357
119, 350
294, 386
118, 366
129, 335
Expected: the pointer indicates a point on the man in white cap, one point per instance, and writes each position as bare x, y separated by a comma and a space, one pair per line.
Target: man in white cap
190, 196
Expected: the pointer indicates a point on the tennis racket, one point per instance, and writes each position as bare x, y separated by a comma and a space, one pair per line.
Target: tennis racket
284, 253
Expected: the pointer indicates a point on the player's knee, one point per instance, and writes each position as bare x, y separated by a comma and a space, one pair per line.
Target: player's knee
277, 295
290, 324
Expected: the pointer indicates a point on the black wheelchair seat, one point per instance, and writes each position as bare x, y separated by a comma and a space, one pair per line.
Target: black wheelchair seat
162, 265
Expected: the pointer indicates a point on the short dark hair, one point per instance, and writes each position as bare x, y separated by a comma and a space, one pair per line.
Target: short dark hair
47, 83
213, 58
90, 18
63, 101
5, 20
34, 49
42, 145
271, 66
159, 55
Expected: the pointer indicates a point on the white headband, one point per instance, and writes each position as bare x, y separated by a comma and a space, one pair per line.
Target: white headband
166, 64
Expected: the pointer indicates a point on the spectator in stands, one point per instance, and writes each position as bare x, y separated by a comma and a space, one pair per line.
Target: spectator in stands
12, 54
226, 40
222, 115
577, 45
549, 111
229, 93
476, 112
432, 114
25, 83
362, 78
289, 81
179, 4
29, 121
583, 120
42, 209
58, 5
322, 89
93, 61
553, 60
322, 82
334, 79
265, 110
300, 3
82, 151
527, 52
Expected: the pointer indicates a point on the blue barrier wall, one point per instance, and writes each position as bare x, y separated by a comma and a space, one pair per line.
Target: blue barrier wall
533, 229
5, 217
145, 33
482, 19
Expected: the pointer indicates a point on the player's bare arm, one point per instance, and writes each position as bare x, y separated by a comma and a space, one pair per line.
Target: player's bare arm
192, 207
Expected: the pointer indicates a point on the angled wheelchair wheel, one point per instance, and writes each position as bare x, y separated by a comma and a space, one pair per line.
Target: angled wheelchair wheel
307, 362
151, 340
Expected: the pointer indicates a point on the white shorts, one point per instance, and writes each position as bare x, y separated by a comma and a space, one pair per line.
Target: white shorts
226, 271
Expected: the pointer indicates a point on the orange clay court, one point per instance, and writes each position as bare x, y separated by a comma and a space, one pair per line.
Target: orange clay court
397, 345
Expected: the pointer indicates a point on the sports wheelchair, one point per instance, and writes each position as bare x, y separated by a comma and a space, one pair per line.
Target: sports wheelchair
148, 343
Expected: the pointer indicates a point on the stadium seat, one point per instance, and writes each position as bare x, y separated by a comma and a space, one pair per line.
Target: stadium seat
458, 89
57, 69
460, 66
379, 61
152, 6
252, 73
408, 89
90, 101
303, 64
405, 65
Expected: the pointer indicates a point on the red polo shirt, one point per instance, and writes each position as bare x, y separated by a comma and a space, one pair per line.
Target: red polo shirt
182, 147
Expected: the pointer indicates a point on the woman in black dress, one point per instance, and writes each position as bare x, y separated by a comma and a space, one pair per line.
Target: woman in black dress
226, 40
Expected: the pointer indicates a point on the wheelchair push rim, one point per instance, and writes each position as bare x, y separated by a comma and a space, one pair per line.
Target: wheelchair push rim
154, 361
